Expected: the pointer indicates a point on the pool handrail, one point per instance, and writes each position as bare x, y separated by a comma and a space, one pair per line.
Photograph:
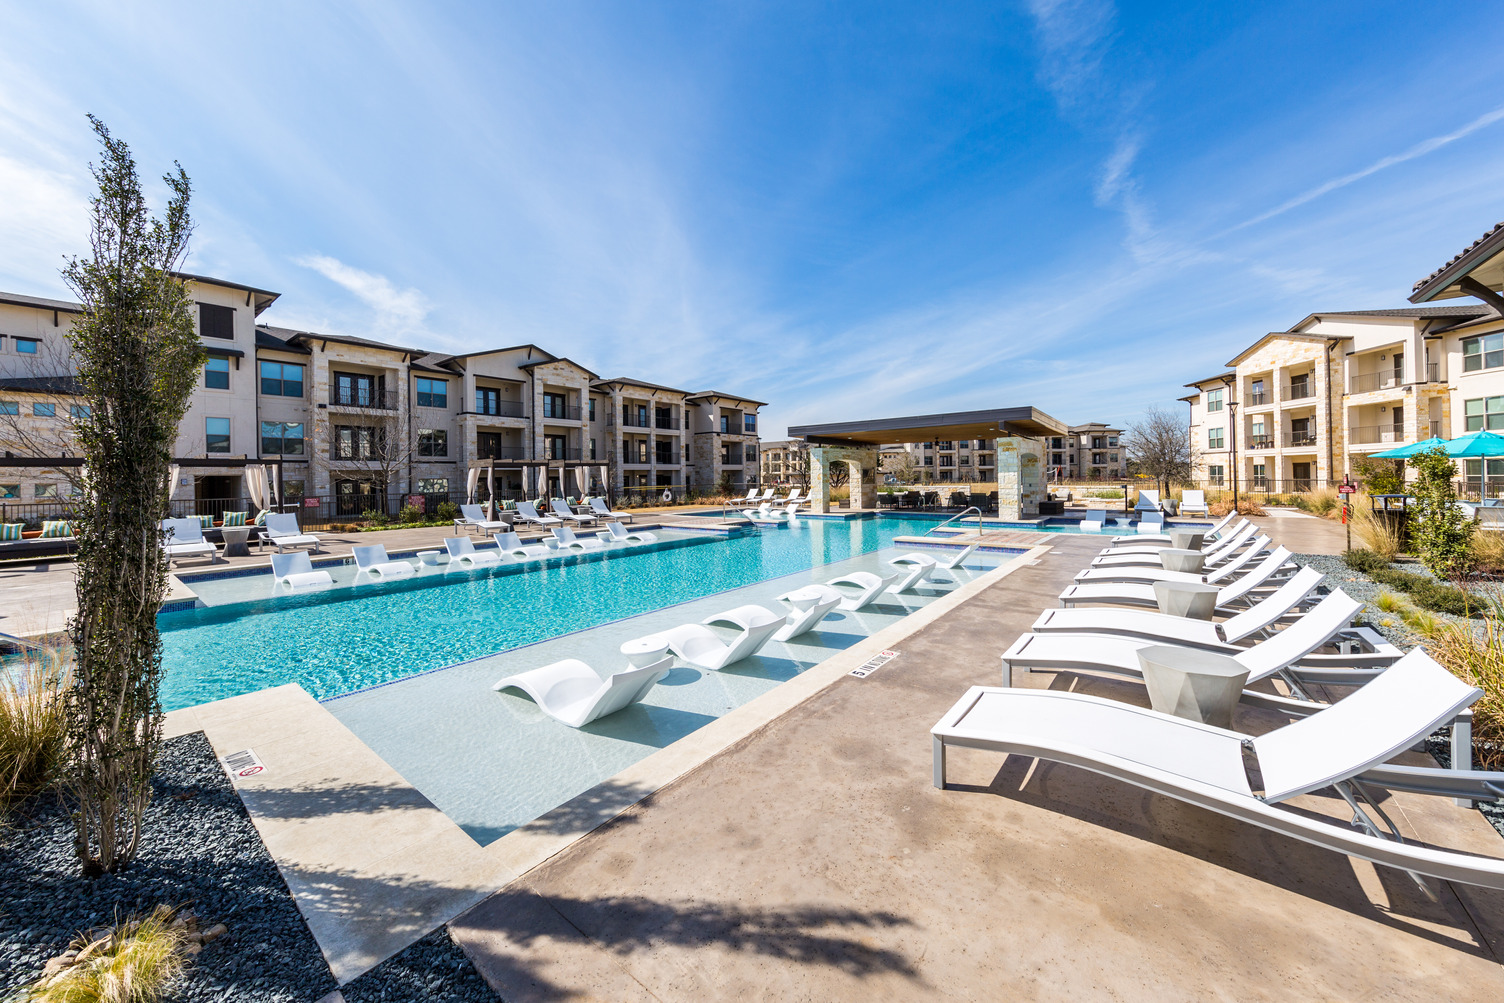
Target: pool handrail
958, 515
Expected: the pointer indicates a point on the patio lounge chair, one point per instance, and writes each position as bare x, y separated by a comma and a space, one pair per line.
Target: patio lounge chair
871, 585
615, 532
1150, 523
510, 543
1118, 656
462, 551
763, 514
800, 621
527, 513
767, 495
185, 539
1093, 520
599, 507
1155, 573
1193, 503
373, 561
699, 646
750, 497
795, 495
566, 538
1149, 556
1234, 595
1340, 746
570, 691
282, 531
1219, 531
1163, 628
563, 512
1148, 501
474, 517
296, 571
930, 563
1152, 545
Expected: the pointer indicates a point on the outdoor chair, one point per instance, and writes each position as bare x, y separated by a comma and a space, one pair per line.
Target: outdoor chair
282, 531
528, 513
511, 543
462, 551
373, 561
566, 538
871, 586
615, 532
296, 571
801, 621
564, 512
698, 645
185, 540
572, 693
1267, 573
1193, 503
598, 507
474, 517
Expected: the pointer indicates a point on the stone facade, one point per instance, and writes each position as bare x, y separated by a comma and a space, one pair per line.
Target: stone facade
1020, 477
863, 461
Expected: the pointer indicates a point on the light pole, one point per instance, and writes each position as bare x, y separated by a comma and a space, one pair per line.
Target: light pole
1232, 409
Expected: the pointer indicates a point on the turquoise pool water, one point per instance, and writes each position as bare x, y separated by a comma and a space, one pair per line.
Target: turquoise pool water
352, 638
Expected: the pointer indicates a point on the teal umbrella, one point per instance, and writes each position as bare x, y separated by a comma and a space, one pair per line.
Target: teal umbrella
1404, 452
1474, 444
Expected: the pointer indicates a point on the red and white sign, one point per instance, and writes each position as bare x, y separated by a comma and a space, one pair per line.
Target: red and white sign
1347, 489
242, 764
310, 503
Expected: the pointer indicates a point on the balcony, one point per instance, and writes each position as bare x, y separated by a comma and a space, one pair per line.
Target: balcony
670, 422
562, 453
666, 458
501, 409
363, 397
1361, 435
1298, 440
1368, 382
1433, 372
561, 412
1257, 442
634, 457
634, 420
502, 452
1259, 399
1299, 391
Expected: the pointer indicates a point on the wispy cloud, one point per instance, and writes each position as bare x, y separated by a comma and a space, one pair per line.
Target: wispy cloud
1073, 37
395, 312
1418, 150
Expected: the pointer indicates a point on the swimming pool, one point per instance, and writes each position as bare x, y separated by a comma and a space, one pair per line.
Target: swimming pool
349, 639
929, 520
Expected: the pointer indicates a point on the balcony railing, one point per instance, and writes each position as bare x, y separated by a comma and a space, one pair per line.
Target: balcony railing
669, 422
1260, 442
363, 397
1258, 399
1368, 382
565, 453
1299, 391
1298, 439
501, 409
503, 452
632, 457
634, 420
669, 458
1360, 435
563, 412
1433, 372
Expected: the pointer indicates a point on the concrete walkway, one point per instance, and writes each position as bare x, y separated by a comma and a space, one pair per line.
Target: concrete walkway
815, 861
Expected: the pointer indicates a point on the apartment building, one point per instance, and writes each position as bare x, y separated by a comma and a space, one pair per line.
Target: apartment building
1090, 452
348, 418
962, 461
1297, 408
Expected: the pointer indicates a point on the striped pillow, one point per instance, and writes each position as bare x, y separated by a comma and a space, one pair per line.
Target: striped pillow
51, 529
260, 518
11, 530
234, 519
509, 506
206, 521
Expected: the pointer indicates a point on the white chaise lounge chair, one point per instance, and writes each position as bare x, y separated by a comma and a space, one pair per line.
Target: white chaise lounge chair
462, 551
567, 539
699, 646
599, 507
527, 513
1163, 628
1193, 503
1219, 531
615, 532
1093, 520
373, 561
1203, 765
1117, 557
1156, 573
1150, 523
185, 540
282, 531
767, 495
1118, 656
795, 495
1233, 596
474, 517
801, 621
296, 571
1153, 544
871, 586
570, 691
762, 514
510, 543
564, 512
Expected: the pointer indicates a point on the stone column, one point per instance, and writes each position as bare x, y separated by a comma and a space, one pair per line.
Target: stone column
1020, 477
864, 487
819, 480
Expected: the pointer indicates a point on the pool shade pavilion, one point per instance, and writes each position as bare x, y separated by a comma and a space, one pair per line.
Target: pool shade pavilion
1016, 430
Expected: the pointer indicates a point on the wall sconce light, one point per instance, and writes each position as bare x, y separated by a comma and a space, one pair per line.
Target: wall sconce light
1382, 356
1382, 409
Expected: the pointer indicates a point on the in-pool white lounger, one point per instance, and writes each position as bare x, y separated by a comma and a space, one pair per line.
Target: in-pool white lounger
570, 691
699, 646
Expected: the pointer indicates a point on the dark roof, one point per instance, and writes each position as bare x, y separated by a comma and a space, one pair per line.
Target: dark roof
219, 350
276, 337
1417, 312
435, 362
17, 299
1460, 265
42, 384
926, 427
629, 381
719, 393
559, 358
510, 348
309, 336
1223, 378
264, 297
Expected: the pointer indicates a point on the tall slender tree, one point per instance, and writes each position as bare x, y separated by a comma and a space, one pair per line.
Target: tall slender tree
137, 357
1159, 444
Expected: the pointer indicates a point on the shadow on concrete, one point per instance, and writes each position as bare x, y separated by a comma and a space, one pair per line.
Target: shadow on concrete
587, 811
343, 799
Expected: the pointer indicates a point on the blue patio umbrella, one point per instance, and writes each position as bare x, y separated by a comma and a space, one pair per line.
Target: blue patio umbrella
1404, 452
1475, 444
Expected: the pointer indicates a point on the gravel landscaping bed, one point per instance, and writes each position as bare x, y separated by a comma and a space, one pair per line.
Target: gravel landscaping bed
434, 970
199, 848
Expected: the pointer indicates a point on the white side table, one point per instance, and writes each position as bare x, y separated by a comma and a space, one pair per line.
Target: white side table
803, 599
235, 538
1187, 539
1186, 599
1174, 559
1196, 685
642, 651
429, 557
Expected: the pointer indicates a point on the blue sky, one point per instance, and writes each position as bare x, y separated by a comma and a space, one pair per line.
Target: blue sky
847, 210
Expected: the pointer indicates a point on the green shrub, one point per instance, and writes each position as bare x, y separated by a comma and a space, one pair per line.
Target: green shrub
138, 961
1445, 599
410, 513
1364, 560
33, 727
447, 511
375, 518
1439, 531
1380, 477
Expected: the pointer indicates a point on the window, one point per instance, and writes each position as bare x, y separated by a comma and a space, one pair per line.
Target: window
487, 400
217, 435
433, 393
1214, 473
1483, 352
750, 423
1214, 438
1214, 400
45, 491
359, 390
282, 438
292, 490
44, 410
554, 406
947, 461
433, 485
10, 490
216, 321
9, 407
1484, 412
27, 346
1098, 459
592, 418
433, 442
725, 424
1112, 457
78, 410
1112, 441
281, 379
356, 442
217, 372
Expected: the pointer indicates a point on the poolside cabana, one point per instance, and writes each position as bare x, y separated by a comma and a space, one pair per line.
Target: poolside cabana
1017, 431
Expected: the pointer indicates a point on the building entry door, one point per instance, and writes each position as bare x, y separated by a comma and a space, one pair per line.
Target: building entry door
1301, 475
